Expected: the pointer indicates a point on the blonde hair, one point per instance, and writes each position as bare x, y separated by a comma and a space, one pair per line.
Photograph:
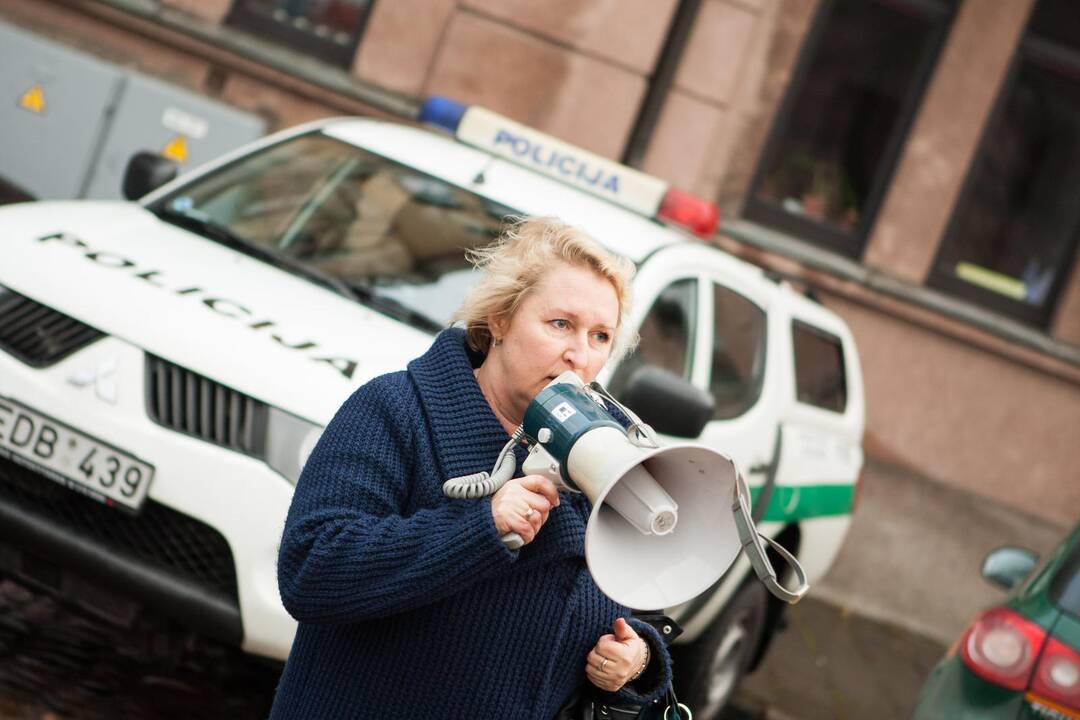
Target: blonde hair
515, 263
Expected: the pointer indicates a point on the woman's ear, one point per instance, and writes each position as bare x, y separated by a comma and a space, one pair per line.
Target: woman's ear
497, 325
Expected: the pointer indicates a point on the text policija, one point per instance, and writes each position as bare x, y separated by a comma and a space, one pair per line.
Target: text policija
212, 301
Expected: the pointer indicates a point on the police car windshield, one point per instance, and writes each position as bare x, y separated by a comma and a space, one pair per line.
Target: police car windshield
393, 234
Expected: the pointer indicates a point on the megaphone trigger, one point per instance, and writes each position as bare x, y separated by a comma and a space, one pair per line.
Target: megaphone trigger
540, 462
751, 539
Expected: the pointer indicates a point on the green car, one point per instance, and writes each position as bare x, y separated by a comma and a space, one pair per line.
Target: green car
1019, 659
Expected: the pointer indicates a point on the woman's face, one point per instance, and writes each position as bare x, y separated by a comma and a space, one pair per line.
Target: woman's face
566, 322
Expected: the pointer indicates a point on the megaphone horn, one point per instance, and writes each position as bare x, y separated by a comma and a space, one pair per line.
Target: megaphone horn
667, 521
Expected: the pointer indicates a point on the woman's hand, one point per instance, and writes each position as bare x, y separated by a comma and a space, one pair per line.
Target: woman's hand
522, 505
616, 659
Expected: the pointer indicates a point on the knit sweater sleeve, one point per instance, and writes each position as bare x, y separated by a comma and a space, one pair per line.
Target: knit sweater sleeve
348, 553
654, 682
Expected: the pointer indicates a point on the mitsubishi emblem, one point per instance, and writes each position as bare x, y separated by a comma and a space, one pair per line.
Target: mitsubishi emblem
103, 378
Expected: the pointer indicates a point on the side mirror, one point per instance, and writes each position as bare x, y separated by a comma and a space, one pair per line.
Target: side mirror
147, 171
1007, 566
668, 402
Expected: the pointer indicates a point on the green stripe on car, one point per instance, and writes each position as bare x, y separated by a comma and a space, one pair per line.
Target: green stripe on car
798, 502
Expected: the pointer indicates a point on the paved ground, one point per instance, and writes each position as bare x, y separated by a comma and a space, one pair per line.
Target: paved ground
915, 549
905, 585
59, 663
828, 664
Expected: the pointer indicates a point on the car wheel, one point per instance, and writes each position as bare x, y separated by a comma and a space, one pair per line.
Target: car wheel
707, 671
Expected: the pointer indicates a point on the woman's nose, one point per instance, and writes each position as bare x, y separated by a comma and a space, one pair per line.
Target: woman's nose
576, 354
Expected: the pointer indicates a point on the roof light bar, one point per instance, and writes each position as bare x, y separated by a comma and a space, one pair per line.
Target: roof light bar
442, 112
690, 211
526, 146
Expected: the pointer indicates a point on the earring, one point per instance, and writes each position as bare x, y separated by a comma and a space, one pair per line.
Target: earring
496, 342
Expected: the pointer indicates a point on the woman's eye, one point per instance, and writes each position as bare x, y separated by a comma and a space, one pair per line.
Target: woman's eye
603, 337
560, 323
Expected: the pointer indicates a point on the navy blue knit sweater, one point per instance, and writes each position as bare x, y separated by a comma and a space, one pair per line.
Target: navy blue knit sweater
409, 604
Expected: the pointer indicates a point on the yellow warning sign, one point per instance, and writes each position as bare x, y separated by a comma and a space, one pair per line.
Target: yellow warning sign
33, 99
176, 149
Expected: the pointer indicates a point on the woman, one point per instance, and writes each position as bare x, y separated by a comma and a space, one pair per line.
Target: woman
408, 602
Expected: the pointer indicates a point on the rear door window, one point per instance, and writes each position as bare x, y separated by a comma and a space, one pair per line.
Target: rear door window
738, 353
820, 379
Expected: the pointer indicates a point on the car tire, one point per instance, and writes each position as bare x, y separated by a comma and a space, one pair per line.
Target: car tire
707, 672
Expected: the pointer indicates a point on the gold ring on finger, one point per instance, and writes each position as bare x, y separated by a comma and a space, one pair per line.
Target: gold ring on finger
603, 665
529, 513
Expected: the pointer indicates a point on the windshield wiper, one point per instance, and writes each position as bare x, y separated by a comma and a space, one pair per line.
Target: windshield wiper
206, 226
366, 294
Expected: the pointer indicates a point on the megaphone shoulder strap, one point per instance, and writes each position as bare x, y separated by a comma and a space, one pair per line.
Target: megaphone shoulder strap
750, 539
769, 579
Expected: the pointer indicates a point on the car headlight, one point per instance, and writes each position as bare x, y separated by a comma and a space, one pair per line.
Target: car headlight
289, 442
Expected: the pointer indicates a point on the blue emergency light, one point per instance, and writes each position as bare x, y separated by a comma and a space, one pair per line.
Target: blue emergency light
442, 112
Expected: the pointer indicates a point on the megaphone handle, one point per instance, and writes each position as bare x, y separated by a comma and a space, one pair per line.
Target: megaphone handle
513, 541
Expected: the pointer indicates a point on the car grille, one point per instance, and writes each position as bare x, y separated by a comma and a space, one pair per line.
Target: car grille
182, 400
39, 335
158, 536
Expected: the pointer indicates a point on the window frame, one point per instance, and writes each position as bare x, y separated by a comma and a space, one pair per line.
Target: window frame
770, 213
241, 18
1046, 54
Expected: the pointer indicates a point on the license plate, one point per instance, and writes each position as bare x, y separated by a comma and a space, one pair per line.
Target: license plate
72, 458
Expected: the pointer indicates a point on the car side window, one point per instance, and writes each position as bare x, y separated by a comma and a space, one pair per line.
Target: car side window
667, 335
738, 353
820, 379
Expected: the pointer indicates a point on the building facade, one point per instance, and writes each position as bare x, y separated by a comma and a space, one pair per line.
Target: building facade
914, 163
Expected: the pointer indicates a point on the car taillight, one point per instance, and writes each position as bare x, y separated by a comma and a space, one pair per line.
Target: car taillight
1057, 677
1001, 646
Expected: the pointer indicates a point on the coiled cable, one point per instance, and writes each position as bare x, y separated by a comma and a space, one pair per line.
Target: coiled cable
482, 484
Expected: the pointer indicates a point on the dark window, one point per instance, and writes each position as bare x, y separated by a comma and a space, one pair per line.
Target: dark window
738, 353
667, 335
327, 29
1056, 21
834, 146
1014, 230
819, 368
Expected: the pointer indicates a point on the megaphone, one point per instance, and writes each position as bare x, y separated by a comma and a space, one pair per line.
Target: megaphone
667, 521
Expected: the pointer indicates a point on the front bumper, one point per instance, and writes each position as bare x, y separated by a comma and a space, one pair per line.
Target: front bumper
174, 564
203, 548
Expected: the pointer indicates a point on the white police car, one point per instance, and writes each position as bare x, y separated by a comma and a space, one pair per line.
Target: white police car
167, 364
